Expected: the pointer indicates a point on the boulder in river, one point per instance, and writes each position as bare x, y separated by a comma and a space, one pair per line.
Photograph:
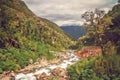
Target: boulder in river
42, 76
59, 72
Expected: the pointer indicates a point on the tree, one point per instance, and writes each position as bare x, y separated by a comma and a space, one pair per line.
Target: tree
93, 16
93, 24
99, 14
89, 17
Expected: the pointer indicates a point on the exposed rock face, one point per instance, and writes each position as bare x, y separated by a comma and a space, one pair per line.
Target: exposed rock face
90, 51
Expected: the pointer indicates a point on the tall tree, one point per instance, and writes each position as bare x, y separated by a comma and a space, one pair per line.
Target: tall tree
93, 22
93, 16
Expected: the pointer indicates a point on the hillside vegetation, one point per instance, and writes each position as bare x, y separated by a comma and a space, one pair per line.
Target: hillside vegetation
105, 34
25, 36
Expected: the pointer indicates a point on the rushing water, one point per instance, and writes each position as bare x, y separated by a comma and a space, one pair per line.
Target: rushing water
30, 76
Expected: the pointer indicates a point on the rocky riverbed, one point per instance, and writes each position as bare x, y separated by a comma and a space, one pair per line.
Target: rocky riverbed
49, 70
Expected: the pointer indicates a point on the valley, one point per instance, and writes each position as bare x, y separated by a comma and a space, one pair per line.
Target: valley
35, 48
67, 59
74, 32
46, 70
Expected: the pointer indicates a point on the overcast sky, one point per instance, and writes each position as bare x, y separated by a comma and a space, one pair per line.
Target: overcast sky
66, 12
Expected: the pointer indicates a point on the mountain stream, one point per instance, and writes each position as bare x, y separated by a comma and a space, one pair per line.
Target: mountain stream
63, 64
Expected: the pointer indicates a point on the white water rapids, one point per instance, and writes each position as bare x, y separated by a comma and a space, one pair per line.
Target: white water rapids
64, 64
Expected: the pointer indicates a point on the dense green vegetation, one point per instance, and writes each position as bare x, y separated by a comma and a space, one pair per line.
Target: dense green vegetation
53, 26
105, 33
25, 36
100, 68
13, 59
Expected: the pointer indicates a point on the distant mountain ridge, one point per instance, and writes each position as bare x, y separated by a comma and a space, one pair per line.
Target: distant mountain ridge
74, 31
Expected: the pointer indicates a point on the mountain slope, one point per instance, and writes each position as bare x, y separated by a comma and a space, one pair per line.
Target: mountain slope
74, 31
53, 26
16, 16
24, 36
107, 36
115, 11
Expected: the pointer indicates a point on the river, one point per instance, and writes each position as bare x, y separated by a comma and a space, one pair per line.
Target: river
63, 64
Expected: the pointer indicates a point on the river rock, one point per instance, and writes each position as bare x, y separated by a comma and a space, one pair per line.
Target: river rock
42, 76
49, 70
59, 72
43, 62
55, 61
6, 78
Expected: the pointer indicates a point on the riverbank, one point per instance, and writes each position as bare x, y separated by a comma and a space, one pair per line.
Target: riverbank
46, 68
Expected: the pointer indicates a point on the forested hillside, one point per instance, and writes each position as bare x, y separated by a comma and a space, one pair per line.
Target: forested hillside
105, 32
24, 36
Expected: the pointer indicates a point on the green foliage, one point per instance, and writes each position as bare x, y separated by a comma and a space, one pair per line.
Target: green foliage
53, 26
89, 74
24, 36
13, 59
22, 25
115, 11
1, 70
106, 35
9, 65
82, 69
17, 5
101, 68
107, 30
107, 67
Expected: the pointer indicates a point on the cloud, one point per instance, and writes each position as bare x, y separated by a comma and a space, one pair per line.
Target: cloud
66, 12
